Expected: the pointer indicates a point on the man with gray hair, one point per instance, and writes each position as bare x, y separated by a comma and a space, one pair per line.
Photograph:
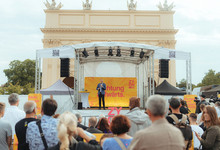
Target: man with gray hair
79, 121
13, 114
21, 126
161, 134
92, 124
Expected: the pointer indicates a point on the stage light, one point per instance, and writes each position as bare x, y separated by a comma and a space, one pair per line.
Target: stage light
132, 52
110, 52
118, 52
85, 53
141, 54
96, 52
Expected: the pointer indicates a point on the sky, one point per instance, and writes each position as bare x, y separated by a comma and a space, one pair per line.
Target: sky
198, 22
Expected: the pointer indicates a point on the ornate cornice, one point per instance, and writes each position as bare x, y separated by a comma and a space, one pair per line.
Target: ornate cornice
107, 11
48, 30
167, 43
51, 42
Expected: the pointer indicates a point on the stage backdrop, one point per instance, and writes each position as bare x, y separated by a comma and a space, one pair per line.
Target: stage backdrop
117, 93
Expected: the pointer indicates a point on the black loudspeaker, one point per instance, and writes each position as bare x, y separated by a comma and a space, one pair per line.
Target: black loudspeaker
64, 67
164, 68
79, 105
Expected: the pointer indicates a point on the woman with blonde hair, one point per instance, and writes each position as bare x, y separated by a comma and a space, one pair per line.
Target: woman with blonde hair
67, 130
210, 140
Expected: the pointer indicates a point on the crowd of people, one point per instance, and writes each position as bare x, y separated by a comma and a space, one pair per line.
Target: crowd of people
163, 125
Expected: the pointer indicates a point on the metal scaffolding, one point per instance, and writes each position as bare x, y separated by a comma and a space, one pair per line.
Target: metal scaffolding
144, 74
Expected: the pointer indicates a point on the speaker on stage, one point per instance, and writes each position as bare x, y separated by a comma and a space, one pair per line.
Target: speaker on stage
164, 68
79, 105
64, 67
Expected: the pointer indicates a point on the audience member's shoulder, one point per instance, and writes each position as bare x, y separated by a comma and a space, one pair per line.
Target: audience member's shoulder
5, 123
173, 128
216, 127
108, 140
32, 123
143, 132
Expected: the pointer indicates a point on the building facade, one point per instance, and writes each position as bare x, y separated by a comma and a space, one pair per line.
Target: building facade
68, 27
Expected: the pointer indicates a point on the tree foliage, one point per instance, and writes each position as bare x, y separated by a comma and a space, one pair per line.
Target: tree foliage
21, 77
210, 78
182, 84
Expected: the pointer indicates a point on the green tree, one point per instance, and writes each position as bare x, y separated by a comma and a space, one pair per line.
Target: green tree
21, 72
21, 77
210, 78
182, 84
12, 89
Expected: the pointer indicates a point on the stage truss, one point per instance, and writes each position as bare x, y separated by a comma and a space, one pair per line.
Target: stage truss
147, 62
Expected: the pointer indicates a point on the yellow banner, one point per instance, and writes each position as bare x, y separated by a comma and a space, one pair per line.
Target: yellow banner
117, 93
190, 102
38, 100
218, 95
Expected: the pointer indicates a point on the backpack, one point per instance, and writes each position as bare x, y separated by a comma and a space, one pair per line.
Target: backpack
184, 128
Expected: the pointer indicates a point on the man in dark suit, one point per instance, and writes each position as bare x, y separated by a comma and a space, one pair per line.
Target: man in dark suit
79, 121
101, 87
92, 124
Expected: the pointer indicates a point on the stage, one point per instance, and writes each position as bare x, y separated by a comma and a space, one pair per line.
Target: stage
94, 112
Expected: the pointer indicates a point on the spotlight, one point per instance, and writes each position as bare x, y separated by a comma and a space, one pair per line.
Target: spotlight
118, 52
85, 53
96, 52
110, 52
132, 52
141, 54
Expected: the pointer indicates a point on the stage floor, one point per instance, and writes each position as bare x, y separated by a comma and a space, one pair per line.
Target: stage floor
96, 112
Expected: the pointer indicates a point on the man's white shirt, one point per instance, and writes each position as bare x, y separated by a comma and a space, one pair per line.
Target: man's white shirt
12, 115
198, 130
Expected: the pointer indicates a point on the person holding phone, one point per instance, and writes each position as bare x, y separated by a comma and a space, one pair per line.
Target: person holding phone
210, 140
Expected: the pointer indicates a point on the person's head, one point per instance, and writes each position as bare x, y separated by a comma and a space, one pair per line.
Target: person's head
105, 136
120, 124
192, 118
183, 103
101, 80
175, 103
156, 106
202, 107
92, 121
2, 109
49, 107
202, 97
13, 99
103, 125
79, 118
134, 102
67, 126
210, 116
30, 107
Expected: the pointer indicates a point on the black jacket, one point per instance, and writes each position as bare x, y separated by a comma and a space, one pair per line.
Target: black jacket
198, 106
81, 126
93, 130
92, 145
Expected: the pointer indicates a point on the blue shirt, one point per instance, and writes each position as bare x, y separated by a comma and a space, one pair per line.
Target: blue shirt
49, 127
111, 144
